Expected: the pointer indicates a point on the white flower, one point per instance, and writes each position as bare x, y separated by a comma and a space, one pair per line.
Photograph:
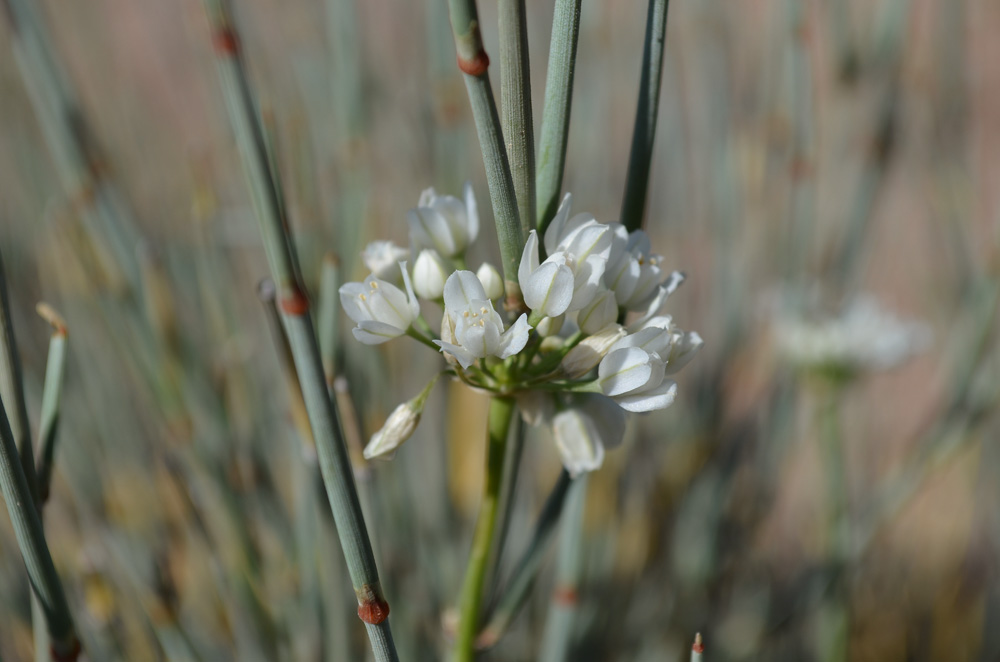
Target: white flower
863, 336
475, 330
491, 280
398, 428
444, 223
600, 312
659, 300
634, 377
382, 259
583, 431
380, 309
569, 279
429, 274
661, 336
633, 271
588, 352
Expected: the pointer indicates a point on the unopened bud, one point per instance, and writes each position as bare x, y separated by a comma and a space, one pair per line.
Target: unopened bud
588, 353
491, 280
429, 275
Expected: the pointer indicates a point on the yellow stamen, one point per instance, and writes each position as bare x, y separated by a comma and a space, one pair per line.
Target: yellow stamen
363, 297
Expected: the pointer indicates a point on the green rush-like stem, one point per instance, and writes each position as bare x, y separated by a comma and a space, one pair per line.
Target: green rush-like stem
551, 157
512, 463
515, 107
51, 393
421, 338
474, 64
500, 414
518, 588
328, 316
641, 155
334, 462
34, 550
12, 388
557, 641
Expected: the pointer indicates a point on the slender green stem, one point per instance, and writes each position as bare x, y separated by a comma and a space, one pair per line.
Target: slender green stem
328, 315
555, 115
51, 392
31, 540
519, 586
500, 415
515, 107
512, 462
835, 612
12, 387
335, 465
474, 63
641, 155
421, 338
557, 641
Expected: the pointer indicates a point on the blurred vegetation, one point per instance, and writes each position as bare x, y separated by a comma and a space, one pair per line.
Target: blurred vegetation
839, 147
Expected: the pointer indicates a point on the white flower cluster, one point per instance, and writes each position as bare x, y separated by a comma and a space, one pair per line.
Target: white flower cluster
864, 336
593, 276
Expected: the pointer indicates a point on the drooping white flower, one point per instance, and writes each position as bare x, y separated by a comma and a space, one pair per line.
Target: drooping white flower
380, 309
397, 428
547, 288
660, 335
584, 430
634, 377
475, 329
382, 259
429, 274
588, 352
491, 280
600, 312
444, 223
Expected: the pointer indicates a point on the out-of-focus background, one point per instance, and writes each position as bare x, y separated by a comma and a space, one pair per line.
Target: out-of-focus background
806, 151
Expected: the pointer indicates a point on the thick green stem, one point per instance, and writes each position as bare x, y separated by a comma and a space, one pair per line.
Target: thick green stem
335, 465
515, 107
474, 63
49, 419
555, 115
500, 415
641, 156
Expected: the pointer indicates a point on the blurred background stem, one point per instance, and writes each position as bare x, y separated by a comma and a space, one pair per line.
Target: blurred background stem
557, 642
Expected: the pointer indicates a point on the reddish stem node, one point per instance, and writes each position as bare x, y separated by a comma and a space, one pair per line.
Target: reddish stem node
69, 656
295, 303
226, 41
566, 596
372, 607
476, 65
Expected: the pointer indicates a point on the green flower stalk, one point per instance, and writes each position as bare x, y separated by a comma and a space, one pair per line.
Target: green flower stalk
334, 462
51, 392
474, 63
641, 155
551, 162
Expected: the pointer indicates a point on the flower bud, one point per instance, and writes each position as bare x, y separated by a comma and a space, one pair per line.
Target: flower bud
397, 429
588, 353
491, 280
429, 275
550, 326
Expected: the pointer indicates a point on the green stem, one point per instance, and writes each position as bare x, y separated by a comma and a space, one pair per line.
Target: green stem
328, 316
558, 638
500, 415
519, 587
641, 155
474, 63
49, 419
555, 115
324, 419
421, 338
515, 107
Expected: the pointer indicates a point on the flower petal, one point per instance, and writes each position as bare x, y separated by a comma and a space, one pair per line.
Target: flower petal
461, 288
515, 338
529, 259
624, 370
464, 357
659, 398
471, 212
371, 332
578, 441
549, 290
555, 230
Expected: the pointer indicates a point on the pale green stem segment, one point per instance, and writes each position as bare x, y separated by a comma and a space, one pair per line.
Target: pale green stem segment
519, 586
12, 388
500, 415
323, 417
474, 63
328, 315
515, 107
555, 115
49, 420
557, 641
641, 155
31, 540
836, 616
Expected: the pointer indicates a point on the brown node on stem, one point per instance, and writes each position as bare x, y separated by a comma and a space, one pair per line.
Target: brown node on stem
49, 314
295, 303
698, 647
565, 596
69, 655
226, 41
372, 607
476, 65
